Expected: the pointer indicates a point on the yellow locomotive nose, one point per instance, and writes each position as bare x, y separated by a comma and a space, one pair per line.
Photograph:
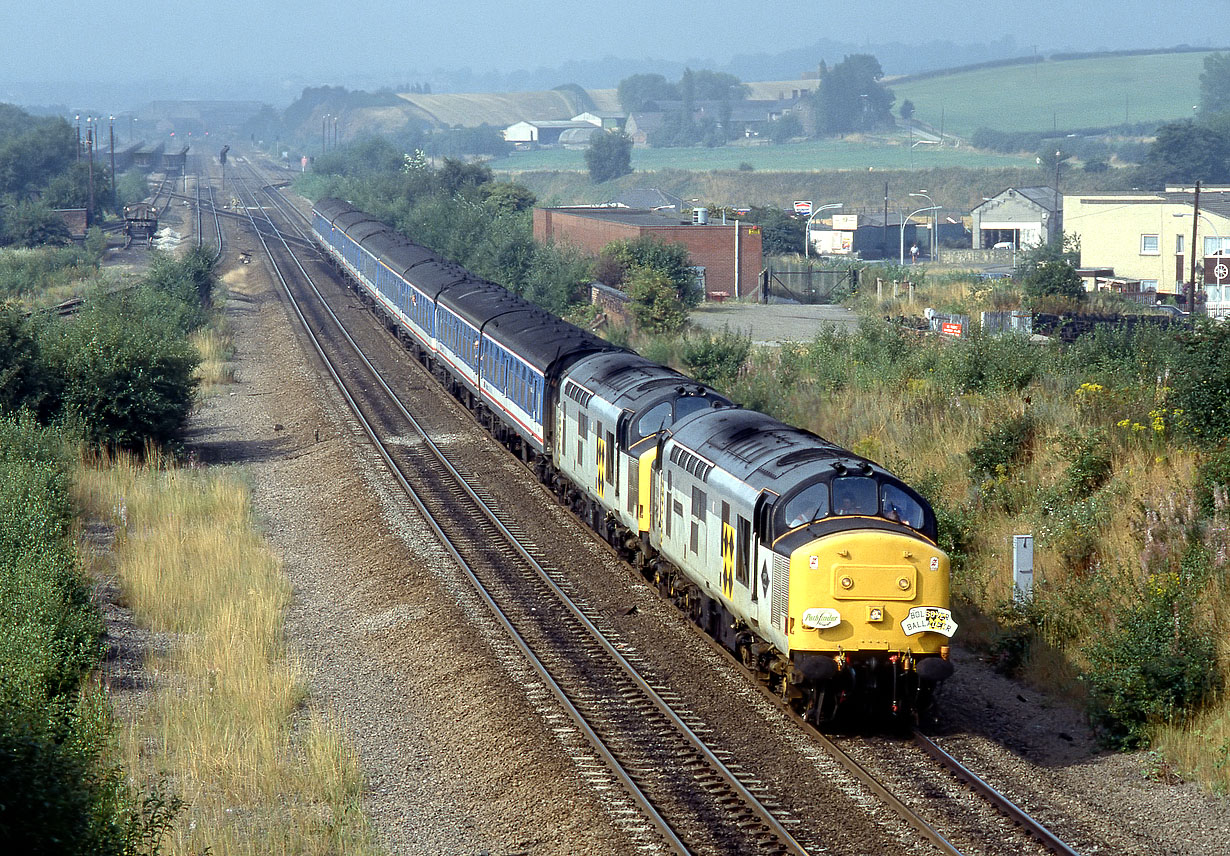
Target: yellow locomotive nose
869, 590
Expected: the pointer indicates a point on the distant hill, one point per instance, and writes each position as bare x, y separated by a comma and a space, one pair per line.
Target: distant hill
503, 109
1061, 95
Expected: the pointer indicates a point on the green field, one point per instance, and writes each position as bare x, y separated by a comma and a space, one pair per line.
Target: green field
812, 156
1050, 96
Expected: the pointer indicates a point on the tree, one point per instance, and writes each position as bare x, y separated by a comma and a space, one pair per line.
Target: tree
1049, 270
717, 86
1186, 152
638, 90
851, 98
780, 233
907, 110
786, 128
621, 259
1215, 84
609, 156
30, 224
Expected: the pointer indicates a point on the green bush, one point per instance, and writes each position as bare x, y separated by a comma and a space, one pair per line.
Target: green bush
127, 378
988, 364
715, 359
61, 794
1201, 382
1008, 443
22, 379
1212, 480
655, 302
1155, 663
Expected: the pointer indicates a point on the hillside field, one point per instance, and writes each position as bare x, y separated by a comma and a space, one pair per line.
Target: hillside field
889, 153
1064, 95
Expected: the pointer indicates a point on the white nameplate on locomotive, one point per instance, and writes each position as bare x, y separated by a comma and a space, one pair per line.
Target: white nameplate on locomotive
935, 619
821, 618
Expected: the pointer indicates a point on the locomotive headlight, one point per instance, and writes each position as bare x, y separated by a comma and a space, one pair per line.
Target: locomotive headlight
875, 613
847, 582
903, 584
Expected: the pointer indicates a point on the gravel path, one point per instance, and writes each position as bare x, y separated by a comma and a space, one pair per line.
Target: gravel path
772, 323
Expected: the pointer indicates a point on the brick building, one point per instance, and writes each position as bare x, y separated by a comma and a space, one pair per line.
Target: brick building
729, 257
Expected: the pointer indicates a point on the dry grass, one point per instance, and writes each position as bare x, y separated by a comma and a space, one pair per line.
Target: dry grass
216, 350
228, 724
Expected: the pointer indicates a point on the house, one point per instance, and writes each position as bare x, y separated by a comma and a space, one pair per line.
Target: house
1143, 239
748, 117
1020, 217
641, 125
728, 258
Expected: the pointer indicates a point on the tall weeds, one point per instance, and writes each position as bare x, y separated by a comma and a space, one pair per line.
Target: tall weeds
229, 724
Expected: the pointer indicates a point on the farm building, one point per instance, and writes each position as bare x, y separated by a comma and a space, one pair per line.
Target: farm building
728, 258
543, 132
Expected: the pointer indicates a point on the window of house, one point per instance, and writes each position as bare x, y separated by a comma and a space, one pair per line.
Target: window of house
1178, 245
1213, 245
1148, 285
1148, 245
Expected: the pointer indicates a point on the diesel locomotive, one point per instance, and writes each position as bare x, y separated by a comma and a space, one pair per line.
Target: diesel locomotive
816, 567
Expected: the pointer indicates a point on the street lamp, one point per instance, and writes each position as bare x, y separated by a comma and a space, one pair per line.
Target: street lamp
933, 241
807, 228
907, 219
324, 124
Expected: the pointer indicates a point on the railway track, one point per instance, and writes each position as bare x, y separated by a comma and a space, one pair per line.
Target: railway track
533, 604
203, 200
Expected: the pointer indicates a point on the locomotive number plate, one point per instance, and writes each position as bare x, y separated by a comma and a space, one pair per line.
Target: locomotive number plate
935, 619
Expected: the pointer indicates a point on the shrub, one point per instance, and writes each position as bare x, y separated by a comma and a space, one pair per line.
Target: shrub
60, 793
715, 359
1154, 663
1201, 382
655, 302
1008, 443
127, 378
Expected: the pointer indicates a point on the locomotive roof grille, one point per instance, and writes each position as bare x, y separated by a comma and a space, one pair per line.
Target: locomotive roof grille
580, 396
691, 463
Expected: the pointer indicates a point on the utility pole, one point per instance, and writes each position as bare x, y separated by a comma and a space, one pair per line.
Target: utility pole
884, 237
89, 141
115, 193
1191, 285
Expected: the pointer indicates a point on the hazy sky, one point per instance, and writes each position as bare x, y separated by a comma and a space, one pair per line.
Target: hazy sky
51, 40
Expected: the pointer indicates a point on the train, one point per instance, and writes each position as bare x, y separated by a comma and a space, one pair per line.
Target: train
817, 568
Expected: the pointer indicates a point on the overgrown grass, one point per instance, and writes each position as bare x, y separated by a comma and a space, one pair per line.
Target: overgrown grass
229, 725
216, 350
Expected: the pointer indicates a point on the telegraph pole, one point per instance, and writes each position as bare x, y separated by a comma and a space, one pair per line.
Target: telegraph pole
1191, 285
115, 193
89, 142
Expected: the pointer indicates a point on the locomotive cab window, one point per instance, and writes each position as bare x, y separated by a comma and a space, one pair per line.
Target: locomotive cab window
901, 507
811, 503
855, 495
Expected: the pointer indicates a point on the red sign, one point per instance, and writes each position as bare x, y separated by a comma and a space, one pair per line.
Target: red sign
951, 328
